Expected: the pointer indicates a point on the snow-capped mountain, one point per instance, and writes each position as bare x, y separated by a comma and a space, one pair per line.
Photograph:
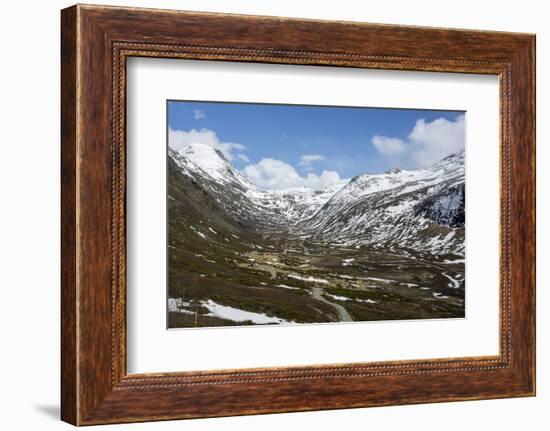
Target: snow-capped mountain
420, 209
255, 207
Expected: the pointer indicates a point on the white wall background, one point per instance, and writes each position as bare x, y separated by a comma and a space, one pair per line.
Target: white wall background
29, 215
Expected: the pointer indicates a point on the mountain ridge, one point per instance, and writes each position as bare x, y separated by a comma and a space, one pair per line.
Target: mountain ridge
421, 208
381, 247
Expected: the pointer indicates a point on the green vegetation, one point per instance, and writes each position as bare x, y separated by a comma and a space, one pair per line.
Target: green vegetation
212, 257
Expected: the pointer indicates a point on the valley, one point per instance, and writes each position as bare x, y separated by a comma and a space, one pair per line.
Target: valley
376, 247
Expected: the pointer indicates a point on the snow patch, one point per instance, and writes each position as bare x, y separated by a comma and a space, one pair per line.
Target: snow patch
309, 279
454, 261
238, 315
454, 283
383, 280
284, 286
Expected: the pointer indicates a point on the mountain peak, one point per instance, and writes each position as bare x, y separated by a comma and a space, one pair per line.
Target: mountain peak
209, 159
458, 155
201, 149
394, 171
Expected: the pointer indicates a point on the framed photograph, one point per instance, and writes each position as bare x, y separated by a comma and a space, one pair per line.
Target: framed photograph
264, 215
291, 227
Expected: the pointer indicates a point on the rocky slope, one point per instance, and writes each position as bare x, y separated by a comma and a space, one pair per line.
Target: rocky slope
419, 209
252, 207
378, 247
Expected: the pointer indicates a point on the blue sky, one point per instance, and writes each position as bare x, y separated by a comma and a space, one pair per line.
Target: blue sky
315, 139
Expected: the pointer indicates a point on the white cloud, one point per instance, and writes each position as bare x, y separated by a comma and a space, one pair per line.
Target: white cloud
307, 160
319, 182
243, 157
427, 143
275, 174
198, 114
388, 146
179, 139
435, 140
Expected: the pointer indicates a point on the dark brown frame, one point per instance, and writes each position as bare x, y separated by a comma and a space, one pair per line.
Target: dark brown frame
95, 43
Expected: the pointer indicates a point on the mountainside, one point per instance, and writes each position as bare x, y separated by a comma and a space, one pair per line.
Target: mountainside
379, 247
253, 207
419, 209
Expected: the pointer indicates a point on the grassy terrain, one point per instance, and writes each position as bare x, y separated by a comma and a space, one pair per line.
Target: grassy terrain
213, 258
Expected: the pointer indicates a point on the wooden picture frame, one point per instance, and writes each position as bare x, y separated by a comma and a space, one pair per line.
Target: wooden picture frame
95, 43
